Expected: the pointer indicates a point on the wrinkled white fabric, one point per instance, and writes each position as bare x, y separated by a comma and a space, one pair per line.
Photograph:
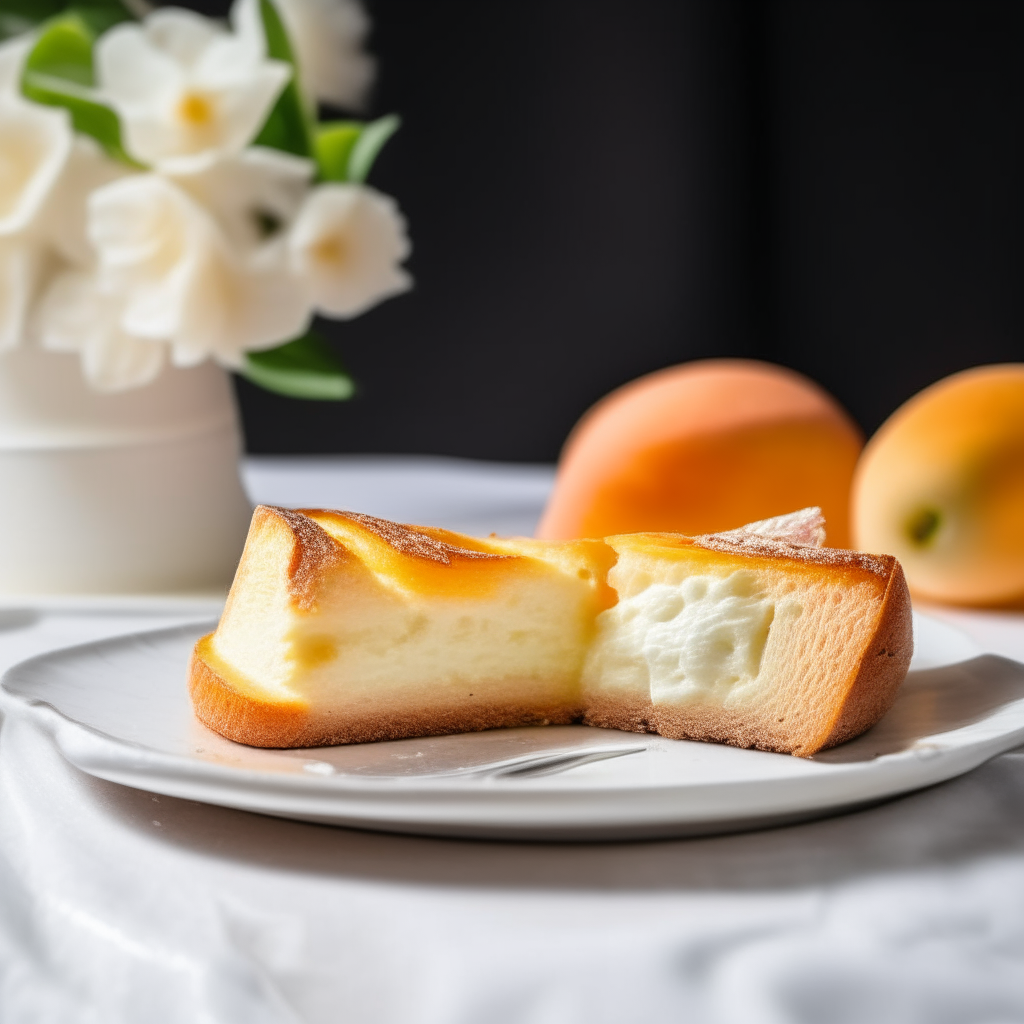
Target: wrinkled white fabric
120, 906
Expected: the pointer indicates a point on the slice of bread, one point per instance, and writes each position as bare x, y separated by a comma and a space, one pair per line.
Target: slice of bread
343, 628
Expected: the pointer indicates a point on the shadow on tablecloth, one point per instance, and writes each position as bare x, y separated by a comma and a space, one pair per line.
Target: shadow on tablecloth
978, 815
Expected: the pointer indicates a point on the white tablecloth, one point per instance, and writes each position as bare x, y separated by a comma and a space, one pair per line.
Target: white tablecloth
119, 906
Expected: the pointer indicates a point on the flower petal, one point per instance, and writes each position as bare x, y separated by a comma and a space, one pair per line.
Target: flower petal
131, 71
231, 309
147, 234
75, 315
247, 21
231, 57
328, 37
63, 218
34, 144
185, 89
182, 280
118, 362
253, 196
270, 305
235, 110
346, 244
183, 35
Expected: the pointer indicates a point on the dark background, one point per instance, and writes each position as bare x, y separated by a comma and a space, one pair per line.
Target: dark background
597, 189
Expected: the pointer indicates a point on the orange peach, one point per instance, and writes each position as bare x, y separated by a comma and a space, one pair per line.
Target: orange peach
941, 487
705, 446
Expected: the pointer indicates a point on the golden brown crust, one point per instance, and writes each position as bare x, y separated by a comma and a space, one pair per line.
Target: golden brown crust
407, 540
883, 667
314, 554
705, 725
242, 718
833, 558
256, 723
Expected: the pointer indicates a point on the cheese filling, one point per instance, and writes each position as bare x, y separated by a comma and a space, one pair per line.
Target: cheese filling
699, 640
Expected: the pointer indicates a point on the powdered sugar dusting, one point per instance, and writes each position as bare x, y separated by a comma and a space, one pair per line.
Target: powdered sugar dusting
805, 528
798, 535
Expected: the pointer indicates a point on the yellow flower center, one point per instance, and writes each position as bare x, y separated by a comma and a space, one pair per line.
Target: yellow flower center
330, 250
195, 110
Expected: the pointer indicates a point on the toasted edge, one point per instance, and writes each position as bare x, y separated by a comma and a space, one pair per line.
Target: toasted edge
883, 666
259, 723
413, 541
315, 552
239, 716
698, 723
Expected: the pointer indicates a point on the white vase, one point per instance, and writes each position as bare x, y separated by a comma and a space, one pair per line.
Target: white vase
137, 492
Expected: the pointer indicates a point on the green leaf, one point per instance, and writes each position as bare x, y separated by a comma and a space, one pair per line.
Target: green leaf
287, 128
63, 50
304, 368
87, 115
369, 144
59, 73
333, 145
346, 150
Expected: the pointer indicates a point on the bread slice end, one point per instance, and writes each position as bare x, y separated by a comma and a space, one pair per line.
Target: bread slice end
882, 669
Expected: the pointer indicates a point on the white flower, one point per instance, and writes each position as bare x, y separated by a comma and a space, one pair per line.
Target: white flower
253, 196
186, 90
327, 37
182, 281
346, 244
76, 315
192, 265
59, 230
63, 218
34, 144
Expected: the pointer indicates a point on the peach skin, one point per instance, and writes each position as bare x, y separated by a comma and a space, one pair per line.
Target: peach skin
941, 487
703, 447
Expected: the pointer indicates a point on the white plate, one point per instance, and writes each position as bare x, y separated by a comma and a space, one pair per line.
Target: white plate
118, 709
